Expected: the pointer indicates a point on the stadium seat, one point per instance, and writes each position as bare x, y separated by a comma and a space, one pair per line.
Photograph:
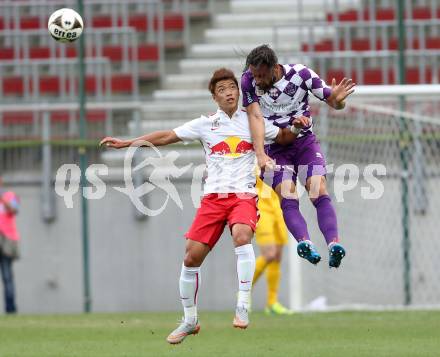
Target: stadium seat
39, 52
30, 23
122, 83
100, 21
13, 85
91, 116
17, 118
49, 85
6, 53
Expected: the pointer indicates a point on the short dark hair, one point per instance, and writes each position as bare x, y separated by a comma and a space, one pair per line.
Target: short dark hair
261, 55
221, 74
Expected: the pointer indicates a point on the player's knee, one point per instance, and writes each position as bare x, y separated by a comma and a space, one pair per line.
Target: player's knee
191, 260
316, 187
268, 252
242, 237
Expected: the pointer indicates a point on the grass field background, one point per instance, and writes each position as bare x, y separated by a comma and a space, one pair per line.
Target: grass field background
354, 334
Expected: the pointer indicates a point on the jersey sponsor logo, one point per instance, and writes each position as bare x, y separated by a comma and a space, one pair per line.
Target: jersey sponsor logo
259, 91
279, 108
233, 146
215, 124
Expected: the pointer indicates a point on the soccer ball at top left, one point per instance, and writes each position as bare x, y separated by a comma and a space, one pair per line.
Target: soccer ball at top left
65, 25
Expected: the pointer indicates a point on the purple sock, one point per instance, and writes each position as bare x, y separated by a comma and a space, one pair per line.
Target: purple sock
327, 221
294, 220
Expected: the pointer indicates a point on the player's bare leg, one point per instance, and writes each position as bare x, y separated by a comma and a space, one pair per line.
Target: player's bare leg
295, 222
189, 285
327, 221
242, 236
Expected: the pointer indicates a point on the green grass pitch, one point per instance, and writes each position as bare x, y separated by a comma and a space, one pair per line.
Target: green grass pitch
339, 334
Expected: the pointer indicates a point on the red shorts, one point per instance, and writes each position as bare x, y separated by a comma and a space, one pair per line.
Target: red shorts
215, 212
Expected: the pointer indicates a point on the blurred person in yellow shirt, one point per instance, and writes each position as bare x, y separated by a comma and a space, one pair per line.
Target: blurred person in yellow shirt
271, 237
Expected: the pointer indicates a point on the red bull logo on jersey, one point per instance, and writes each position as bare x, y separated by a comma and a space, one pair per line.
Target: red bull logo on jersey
232, 147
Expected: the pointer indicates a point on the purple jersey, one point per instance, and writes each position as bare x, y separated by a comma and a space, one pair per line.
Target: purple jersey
289, 97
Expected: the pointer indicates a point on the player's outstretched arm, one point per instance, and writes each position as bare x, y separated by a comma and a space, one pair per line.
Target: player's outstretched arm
287, 135
256, 125
339, 92
157, 138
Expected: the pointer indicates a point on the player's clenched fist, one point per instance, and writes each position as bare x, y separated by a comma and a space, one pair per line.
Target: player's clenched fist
113, 143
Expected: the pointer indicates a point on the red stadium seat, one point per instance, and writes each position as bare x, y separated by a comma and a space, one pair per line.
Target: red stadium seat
49, 85
102, 21
113, 52
59, 117
122, 83
13, 85
338, 74
171, 22
91, 116
421, 13
30, 23
96, 116
16, 118
39, 52
360, 44
383, 14
433, 43
373, 76
2, 23
6, 53
148, 52
139, 22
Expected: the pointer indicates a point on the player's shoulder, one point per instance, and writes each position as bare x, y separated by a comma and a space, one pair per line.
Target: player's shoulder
247, 74
247, 78
293, 68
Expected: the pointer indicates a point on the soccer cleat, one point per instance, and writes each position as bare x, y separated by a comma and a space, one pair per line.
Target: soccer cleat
308, 251
182, 331
277, 309
336, 254
241, 319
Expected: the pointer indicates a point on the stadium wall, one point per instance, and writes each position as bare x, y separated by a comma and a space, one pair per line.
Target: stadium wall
135, 264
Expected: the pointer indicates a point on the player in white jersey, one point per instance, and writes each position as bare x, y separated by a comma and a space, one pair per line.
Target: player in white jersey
229, 193
279, 93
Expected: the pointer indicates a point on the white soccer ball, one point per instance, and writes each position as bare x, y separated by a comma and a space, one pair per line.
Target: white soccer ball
65, 25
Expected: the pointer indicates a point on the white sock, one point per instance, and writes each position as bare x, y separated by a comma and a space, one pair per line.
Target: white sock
189, 285
245, 272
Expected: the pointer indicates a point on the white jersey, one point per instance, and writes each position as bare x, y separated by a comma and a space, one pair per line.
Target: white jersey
230, 156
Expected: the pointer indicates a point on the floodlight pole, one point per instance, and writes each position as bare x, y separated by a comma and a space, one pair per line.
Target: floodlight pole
82, 151
404, 142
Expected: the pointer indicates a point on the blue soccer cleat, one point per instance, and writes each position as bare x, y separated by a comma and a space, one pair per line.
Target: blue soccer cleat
336, 254
308, 251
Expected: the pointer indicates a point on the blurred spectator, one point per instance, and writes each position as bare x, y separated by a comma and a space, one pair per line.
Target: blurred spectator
8, 244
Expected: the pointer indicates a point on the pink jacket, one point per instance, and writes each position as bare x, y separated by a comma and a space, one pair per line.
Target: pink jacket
8, 226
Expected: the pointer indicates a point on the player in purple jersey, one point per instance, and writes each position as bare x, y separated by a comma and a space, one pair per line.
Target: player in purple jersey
280, 93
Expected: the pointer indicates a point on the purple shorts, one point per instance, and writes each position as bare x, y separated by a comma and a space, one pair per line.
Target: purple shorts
301, 159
